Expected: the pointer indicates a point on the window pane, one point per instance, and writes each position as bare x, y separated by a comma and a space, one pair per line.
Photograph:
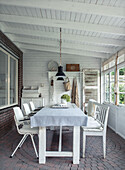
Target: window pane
121, 84
107, 97
12, 81
106, 66
112, 63
121, 98
122, 80
107, 78
112, 75
3, 79
112, 98
107, 87
112, 87
121, 59
121, 87
122, 75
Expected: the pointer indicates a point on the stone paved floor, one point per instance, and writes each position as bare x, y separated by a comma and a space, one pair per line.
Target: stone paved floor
25, 157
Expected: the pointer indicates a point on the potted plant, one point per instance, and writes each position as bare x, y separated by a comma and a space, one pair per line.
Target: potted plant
65, 98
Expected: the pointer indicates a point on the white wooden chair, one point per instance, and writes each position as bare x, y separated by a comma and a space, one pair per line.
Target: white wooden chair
24, 130
97, 125
27, 111
32, 107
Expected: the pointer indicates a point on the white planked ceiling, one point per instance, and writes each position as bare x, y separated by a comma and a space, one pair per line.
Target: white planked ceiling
94, 28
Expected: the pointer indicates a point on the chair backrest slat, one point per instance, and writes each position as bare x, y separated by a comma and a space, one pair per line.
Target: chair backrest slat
101, 114
32, 106
18, 115
26, 109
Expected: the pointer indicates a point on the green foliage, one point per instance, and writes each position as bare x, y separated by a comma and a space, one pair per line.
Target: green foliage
122, 71
66, 97
122, 96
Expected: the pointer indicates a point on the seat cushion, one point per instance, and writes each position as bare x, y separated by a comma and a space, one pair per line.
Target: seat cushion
92, 124
27, 129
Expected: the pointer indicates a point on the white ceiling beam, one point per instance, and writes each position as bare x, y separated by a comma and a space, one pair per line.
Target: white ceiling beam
53, 35
64, 45
66, 51
62, 24
69, 6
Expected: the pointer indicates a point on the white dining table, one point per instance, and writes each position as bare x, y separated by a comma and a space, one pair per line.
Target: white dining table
72, 116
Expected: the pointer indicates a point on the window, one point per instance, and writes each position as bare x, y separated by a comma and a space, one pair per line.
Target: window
121, 59
121, 85
109, 87
114, 78
8, 79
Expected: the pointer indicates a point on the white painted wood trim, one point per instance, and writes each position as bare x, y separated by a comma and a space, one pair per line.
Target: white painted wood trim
76, 144
58, 154
42, 145
60, 139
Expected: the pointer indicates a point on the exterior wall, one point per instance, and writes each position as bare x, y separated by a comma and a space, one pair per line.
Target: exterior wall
116, 120
6, 115
35, 67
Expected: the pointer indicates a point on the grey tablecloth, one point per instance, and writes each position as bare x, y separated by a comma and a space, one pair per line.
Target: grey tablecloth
59, 117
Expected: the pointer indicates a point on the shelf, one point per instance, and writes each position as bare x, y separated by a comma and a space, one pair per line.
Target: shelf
66, 72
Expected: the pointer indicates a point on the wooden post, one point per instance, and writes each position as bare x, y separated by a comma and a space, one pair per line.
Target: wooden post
116, 81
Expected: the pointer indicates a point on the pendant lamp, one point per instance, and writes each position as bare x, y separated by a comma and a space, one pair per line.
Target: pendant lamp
60, 74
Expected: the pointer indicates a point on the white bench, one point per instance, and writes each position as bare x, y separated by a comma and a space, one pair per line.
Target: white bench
97, 125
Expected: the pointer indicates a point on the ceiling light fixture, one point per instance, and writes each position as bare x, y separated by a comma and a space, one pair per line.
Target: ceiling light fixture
60, 74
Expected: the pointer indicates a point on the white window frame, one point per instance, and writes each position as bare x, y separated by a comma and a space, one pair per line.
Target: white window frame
10, 56
110, 94
120, 67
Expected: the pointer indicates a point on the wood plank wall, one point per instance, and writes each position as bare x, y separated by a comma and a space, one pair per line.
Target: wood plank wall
35, 67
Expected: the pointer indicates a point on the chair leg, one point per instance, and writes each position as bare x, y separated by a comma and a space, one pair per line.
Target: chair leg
23, 141
18, 146
84, 144
60, 139
34, 145
104, 146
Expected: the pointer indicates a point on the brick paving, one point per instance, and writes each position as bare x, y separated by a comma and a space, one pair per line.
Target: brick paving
25, 156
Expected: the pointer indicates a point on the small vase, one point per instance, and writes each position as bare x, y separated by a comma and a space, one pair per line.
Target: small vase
63, 101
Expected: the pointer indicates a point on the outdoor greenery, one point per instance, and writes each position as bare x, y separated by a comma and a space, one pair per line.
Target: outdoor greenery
66, 97
121, 85
122, 71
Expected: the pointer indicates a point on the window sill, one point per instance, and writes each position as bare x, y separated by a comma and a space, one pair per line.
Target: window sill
8, 106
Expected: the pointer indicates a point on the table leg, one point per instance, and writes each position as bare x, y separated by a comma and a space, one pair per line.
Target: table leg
42, 145
76, 144
60, 139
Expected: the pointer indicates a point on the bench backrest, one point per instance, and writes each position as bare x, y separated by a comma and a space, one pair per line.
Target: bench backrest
101, 114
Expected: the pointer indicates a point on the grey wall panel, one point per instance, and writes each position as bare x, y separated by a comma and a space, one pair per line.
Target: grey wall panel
35, 67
